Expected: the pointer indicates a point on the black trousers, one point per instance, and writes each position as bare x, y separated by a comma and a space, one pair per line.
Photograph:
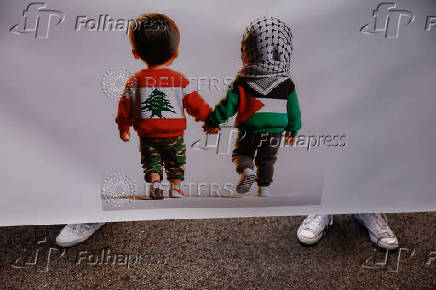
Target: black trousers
260, 150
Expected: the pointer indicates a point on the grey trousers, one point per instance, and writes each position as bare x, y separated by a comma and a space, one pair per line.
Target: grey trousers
260, 150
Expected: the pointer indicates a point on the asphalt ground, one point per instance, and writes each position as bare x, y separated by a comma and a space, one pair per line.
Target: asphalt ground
242, 253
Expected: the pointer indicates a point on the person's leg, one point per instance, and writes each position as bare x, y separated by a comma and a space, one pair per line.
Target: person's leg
242, 157
313, 227
174, 161
74, 234
152, 165
268, 147
379, 231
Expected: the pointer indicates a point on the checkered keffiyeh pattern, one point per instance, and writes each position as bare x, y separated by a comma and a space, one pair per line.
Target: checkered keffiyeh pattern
266, 52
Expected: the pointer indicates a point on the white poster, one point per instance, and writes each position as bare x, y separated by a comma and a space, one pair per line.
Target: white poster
364, 73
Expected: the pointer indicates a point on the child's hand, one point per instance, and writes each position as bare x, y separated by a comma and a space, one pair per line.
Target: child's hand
213, 131
125, 135
289, 140
209, 130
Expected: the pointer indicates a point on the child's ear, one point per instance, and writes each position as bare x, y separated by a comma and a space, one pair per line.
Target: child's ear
135, 55
176, 54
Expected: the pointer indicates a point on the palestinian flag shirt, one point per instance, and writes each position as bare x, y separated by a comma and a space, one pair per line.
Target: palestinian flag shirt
154, 103
275, 112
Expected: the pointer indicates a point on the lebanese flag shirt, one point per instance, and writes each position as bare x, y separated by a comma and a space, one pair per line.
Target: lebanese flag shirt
154, 103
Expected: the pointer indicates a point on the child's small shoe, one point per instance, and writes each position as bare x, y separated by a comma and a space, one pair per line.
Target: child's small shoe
263, 191
248, 176
156, 191
175, 191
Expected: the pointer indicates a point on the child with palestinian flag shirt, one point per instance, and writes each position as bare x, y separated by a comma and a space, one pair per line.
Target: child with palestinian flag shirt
264, 98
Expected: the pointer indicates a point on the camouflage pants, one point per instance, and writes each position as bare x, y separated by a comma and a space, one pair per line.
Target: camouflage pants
159, 153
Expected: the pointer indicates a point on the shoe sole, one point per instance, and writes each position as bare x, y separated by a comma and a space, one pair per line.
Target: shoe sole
71, 244
245, 185
260, 194
309, 241
380, 244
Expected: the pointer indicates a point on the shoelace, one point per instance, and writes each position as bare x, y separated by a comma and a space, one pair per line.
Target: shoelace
80, 228
385, 231
309, 222
381, 222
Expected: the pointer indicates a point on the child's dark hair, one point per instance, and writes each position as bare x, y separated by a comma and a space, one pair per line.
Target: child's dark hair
154, 37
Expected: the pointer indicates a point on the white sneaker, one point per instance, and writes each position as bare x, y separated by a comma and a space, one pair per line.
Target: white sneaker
74, 234
313, 227
379, 231
263, 191
248, 176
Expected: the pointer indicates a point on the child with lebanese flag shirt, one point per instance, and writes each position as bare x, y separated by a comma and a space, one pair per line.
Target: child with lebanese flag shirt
154, 103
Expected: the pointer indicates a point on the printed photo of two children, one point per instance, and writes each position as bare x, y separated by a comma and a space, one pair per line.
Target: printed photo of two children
157, 111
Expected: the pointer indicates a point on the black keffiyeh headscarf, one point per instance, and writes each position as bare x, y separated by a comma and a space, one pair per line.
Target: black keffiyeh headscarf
266, 52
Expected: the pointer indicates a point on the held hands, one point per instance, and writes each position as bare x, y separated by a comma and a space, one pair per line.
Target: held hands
209, 130
125, 135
